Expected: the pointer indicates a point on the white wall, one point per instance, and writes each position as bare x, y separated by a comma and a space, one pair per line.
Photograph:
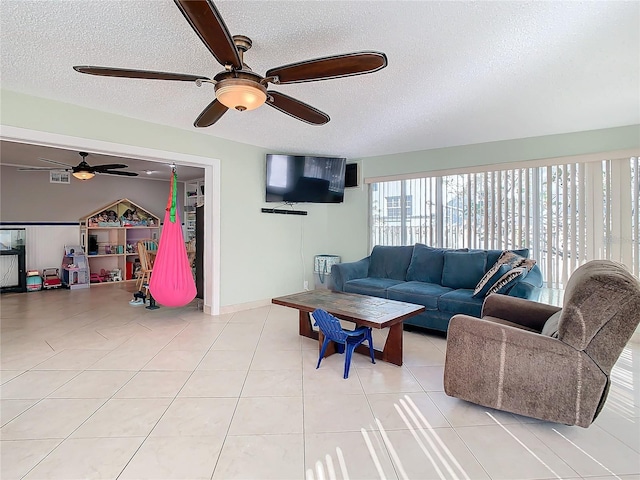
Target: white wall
29, 197
53, 211
44, 244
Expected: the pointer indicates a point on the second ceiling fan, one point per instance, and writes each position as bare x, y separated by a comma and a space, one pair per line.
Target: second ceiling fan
83, 171
237, 86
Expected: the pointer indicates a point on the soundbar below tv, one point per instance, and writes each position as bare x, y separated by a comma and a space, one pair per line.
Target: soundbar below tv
304, 179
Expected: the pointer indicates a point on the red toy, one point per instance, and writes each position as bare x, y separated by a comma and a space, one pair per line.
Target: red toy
51, 278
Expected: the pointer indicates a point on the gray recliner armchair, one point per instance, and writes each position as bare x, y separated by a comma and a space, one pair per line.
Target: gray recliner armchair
539, 360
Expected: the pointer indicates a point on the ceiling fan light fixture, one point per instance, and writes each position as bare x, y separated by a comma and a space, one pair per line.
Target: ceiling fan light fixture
83, 175
240, 94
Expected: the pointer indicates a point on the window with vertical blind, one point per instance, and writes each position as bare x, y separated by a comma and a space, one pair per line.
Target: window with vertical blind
565, 214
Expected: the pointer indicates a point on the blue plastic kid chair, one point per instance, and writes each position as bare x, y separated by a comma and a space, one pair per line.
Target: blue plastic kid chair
347, 340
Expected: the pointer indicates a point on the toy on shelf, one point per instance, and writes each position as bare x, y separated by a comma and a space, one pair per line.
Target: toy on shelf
131, 216
51, 278
116, 275
113, 247
106, 218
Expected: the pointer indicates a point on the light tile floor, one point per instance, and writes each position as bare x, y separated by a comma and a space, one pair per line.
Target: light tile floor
95, 388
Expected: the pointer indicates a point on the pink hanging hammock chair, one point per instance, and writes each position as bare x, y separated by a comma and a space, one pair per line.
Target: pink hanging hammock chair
172, 283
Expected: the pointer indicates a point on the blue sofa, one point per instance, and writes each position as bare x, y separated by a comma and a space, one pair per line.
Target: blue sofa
443, 280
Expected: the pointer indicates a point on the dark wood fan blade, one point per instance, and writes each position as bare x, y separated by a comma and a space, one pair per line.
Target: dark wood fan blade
44, 169
336, 66
296, 108
210, 115
117, 172
130, 73
55, 162
207, 22
109, 166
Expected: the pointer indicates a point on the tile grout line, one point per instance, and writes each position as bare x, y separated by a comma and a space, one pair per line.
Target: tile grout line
91, 415
188, 323
235, 409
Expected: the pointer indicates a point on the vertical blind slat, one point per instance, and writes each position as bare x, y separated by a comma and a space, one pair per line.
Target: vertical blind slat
573, 216
498, 207
607, 226
636, 214
582, 202
565, 219
524, 236
485, 238
519, 242
512, 234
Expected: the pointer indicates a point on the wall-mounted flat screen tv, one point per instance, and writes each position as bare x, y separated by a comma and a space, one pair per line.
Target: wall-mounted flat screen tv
305, 178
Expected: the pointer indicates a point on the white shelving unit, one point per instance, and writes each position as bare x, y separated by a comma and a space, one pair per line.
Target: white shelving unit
193, 197
116, 237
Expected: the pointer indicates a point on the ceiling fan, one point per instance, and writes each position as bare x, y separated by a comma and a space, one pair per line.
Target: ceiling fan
237, 86
83, 170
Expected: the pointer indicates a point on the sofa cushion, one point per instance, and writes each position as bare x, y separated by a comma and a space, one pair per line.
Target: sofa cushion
426, 264
420, 293
390, 261
529, 287
493, 255
460, 301
463, 269
376, 287
508, 280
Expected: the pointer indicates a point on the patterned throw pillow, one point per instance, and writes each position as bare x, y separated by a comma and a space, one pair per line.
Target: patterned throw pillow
490, 278
506, 261
529, 263
510, 258
508, 280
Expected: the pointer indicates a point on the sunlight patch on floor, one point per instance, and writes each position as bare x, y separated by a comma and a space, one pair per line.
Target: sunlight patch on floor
523, 445
331, 471
441, 446
581, 450
621, 395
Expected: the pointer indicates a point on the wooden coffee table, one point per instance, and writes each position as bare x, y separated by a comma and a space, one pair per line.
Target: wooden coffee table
361, 309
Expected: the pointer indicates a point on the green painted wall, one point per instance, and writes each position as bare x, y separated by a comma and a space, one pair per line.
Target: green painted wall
265, 255
505, 151
262, 255
354, 218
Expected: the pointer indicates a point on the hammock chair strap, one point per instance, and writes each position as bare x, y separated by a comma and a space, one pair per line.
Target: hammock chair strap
173, 192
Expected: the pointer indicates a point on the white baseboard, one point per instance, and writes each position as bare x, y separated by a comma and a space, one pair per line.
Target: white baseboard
244, 306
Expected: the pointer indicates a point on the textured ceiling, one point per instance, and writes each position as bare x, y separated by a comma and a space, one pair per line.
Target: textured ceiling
459, 72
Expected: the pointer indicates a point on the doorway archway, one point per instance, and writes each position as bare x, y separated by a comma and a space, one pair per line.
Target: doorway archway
211, 168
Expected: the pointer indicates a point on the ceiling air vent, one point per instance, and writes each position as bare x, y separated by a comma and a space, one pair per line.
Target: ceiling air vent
59, 176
